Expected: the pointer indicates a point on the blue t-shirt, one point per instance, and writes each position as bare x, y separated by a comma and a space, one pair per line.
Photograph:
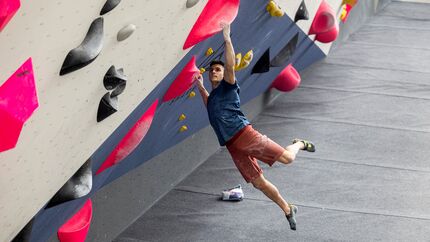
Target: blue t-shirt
224, 112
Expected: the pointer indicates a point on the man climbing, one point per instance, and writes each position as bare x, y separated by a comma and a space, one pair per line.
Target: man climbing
233, 130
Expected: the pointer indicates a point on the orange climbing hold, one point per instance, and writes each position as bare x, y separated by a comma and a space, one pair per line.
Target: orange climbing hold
209, 22
350, 2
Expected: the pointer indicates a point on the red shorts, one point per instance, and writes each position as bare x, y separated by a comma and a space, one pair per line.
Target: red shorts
247, 146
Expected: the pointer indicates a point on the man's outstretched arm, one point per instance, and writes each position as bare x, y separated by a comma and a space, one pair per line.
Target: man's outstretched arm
230, 57
203, 92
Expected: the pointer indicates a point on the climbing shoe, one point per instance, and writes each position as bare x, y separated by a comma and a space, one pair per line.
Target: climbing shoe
292, 216
309, 146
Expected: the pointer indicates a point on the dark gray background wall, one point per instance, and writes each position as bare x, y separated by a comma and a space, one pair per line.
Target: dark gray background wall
121, 202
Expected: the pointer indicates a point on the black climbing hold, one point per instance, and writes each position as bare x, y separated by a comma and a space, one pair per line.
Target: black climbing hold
77, 186
113, 78
25, 233
263, 64
88, 50
109, 5
118, 90
191, 3
302, 13
284, 55
108, 105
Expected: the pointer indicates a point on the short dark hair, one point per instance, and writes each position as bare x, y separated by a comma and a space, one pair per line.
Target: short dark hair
216, 62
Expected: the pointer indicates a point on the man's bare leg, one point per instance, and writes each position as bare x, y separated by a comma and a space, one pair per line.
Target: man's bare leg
290, 153
271, 192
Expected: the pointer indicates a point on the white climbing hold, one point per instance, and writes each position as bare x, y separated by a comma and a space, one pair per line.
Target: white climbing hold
125, 32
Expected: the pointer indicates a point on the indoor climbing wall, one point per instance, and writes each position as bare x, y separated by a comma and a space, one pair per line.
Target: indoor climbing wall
108, 86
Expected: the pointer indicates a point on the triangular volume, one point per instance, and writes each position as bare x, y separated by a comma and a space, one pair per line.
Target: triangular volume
107, 107
77, 186
287, 80
8, 8
113, 78
263, 64
131, 140
109, 5
183, 81
25, 234
285, 54
76, 228
324, 20
209, 21
18, 100
87, 51
302, 13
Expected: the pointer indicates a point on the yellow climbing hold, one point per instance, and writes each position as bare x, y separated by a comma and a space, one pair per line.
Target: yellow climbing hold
209, 52
183, 128
270, 6
245, 61
344, 12
182, 117
274, 9
238, 60
247, 58
202, 70
192, 94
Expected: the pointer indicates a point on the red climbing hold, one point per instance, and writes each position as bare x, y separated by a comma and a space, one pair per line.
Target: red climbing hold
76, 228
324, 20
209, 21
8, 8
183, 81
18, 100
130, 141
287, 80
328, 36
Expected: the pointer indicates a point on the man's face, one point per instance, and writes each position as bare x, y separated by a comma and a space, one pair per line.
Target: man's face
216, 73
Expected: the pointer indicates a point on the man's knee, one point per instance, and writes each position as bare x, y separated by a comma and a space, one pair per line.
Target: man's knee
259, 182
287, 157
